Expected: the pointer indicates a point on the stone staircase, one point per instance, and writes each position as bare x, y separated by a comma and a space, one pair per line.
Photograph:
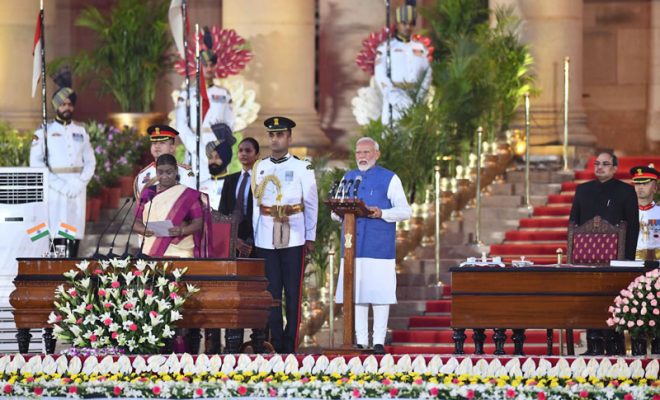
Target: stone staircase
94, 230
8, 343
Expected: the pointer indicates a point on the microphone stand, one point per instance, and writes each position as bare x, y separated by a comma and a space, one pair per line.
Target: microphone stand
110, 254
141, 255
96, 254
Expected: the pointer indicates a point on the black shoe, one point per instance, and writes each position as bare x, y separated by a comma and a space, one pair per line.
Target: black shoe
360, 346
379, 349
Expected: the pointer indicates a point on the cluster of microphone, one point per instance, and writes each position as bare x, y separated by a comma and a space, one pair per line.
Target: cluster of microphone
342, 189
111, 254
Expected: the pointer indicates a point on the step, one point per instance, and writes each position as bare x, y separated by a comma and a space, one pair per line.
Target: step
527, 248
419, 293
496, 201
535, 235
568, 186
546, 176
468, 348
561, 198
438, 306
519, 188
552, 211
430, 321
445, 336
548, 222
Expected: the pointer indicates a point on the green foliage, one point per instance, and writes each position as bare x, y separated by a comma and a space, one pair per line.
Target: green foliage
15, 149
130, 53
327, 230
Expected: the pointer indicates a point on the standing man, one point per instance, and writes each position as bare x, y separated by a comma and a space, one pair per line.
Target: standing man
646, 185
219, 156
410, 68
284, 221
375, 238
69, 155
162, 142
614, 201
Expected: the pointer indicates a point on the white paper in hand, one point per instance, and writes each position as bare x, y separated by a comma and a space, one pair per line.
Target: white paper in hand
160, 228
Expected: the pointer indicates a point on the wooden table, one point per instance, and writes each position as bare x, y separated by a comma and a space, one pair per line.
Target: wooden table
566, 297
233, 294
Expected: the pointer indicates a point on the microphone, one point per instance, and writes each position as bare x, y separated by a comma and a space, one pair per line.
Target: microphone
112, 245
333, 189
358, 180
141, 255
96, 254
128, 241
339, 188
347, 189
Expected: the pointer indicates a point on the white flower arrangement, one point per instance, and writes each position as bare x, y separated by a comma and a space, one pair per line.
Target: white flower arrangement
131, 307
636, 308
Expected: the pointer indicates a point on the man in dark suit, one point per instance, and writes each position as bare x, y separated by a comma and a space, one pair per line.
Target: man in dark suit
236, 199
614, 201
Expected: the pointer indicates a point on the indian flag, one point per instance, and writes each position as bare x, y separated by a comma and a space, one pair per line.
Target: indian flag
37, 232
36, 54
67, 231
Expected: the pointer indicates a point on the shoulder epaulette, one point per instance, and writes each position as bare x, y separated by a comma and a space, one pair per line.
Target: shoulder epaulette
145, 168
296, 157
265, 158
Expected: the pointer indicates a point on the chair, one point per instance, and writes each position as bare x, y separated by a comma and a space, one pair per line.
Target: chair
224, 230
596, 242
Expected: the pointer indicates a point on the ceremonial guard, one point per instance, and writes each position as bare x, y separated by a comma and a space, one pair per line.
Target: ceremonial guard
284, 221
409, 77
219, 155
219, 112
162, 142
648, 241
67, 152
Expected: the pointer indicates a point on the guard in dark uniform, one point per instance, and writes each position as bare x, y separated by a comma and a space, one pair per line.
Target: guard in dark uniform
284, 217
614, 201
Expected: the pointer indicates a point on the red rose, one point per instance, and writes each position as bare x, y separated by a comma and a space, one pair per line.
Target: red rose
38, 390
356, 393
242, 390
434, 391
155, 390
7, 389
101, 292
628, 396
114, 335
73, 389
199, 392
394, 391
92, 338
116, 390
510, 393
470, 394
584, 394
115, 285
540, 395
133, 327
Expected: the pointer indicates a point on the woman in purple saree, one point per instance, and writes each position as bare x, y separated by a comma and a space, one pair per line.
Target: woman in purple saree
187, 208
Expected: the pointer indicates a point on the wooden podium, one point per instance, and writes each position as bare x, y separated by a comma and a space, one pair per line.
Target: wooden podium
349, 209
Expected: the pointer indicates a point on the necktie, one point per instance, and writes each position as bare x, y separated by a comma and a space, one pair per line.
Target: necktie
240, 199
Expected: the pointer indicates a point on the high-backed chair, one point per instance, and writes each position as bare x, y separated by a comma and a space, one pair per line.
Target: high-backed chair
596, 242
225, 229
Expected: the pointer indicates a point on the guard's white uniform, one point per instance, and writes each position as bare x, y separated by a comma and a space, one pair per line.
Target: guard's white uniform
298, 187
649, 231
219, 111
72, 162
213, 188
410, 63
147, 177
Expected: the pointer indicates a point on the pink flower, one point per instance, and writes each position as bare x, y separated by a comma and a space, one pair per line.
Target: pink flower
626, 308
631, 324
242, 390
654, 302
128, 306
656, 311
73, 389
304, 379
434, 391
394, 391
38, 390
137, 273
124, 292
58, 318
114, 285
584, 394
540, 395
79, 321
640, 322
510, 393
173, 295
107, 321
643, 312
92, 338
101, 292
470, 394
73, 292
272, 392
356, 393
116, 390
148, 292
114, 335
615, 383
133, 327
107, 305
633, 310
199, 392
386, 381
155, 390
628, 396
98, 272
610, 322
89, 307
418, 381
651, 323
153, 314
7, 389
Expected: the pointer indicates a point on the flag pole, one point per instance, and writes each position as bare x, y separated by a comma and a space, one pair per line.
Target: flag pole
44, 110
388, 55
184, 16
199, 99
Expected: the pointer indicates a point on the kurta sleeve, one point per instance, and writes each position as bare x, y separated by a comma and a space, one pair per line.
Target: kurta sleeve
400, 210
311, 203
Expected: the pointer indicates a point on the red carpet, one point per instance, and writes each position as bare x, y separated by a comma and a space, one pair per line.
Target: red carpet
537, 239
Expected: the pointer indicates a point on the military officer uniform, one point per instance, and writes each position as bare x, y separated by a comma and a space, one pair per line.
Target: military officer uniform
409, 65
147, 176
284, 217
648, 241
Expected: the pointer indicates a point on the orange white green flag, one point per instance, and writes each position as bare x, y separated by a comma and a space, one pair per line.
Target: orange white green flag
67, 231
38, 231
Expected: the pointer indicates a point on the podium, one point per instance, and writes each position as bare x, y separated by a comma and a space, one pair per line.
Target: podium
349, 209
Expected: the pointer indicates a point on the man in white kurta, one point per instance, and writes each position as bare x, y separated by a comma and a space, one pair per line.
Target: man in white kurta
410, 68
648, 241
375, 238
71, 160
162, 138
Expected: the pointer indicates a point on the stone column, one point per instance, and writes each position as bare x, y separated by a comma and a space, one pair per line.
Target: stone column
653, 124
553, 30
281, 35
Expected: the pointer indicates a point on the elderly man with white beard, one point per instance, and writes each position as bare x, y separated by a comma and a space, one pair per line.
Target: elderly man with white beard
375, 238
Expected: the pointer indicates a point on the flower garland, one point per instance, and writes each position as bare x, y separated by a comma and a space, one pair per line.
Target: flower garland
119, 304
636, 308
184, 377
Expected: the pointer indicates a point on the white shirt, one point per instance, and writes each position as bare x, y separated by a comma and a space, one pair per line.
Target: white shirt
213, 188
649, 228
147, 177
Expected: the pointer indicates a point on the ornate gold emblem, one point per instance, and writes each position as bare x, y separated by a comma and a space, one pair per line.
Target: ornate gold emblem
276, 121
157, 131
348, 241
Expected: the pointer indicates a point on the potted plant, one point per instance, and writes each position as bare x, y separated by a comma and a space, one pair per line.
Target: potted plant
15, 151
128, 58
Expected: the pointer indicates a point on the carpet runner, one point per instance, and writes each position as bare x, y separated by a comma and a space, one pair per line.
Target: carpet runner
537, 239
